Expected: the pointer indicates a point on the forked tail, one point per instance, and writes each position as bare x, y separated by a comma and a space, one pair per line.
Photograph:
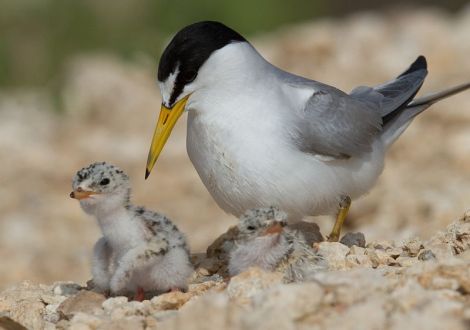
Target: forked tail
397, 124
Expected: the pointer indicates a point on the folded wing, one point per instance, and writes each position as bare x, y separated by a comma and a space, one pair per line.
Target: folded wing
339, 125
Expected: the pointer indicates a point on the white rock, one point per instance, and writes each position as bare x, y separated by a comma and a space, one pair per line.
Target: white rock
335, 253
368, 314
360, 260
51, 314
394, 252
285, 304
379, 257
251, 282
112, 303
356, 250
83, 321
413, 247
426, 255
66, 288
406, 261
441, 250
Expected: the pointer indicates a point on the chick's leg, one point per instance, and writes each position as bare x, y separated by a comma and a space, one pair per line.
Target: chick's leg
140, 294
344, 205
102, 254
138, 257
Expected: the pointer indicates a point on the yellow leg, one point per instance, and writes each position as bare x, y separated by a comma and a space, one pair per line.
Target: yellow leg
344, 205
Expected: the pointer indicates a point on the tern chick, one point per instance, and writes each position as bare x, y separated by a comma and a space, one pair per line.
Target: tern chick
265, 241
140, 251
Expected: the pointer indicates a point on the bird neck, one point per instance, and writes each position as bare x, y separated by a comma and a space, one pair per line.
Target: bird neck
106, 217
237, 63
118, 226
108, 211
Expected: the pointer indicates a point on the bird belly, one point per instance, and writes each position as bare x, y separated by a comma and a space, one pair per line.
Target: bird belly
243, 171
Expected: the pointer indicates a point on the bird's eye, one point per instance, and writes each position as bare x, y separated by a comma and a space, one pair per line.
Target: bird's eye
104, 182
250, 228
189, 76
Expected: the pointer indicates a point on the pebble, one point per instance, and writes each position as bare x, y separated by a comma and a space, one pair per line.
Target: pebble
335, 253
66, 289
413, 247
356, 250
379, 257
87, 302
351, 239
426, 255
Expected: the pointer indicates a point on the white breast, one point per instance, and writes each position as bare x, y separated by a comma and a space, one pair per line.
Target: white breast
235, 156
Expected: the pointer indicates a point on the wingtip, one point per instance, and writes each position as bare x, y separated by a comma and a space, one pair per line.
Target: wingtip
419, 64
147, 173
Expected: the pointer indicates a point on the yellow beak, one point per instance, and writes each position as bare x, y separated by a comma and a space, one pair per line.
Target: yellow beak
166, 121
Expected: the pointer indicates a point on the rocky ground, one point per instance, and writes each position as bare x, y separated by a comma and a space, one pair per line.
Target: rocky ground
106, 111
383, 285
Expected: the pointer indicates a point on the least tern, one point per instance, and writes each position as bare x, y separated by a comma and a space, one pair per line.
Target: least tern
264, 241
260, 136
140, 251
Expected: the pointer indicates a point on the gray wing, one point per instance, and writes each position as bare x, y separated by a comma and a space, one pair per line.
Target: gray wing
335, 124
339, 125
396, 94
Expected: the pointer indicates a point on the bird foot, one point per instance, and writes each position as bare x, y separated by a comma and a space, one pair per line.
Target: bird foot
333, 237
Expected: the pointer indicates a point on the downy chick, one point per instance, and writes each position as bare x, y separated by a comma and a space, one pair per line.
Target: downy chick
265, 241
140, 251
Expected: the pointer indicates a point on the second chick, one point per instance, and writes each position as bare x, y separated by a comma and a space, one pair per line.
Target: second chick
265, 241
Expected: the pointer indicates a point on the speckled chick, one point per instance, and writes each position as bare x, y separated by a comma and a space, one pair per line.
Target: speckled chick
140, 251
265, 241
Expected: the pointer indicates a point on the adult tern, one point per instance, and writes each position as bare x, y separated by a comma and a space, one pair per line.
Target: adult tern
259, 136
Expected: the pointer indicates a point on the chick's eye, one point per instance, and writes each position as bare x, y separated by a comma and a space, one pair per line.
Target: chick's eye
250, 228
104, 182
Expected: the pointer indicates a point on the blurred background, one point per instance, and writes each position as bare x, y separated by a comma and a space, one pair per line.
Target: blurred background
77, 85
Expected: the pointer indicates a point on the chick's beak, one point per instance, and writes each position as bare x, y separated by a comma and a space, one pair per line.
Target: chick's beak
166, 121
81, 194
275, 228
